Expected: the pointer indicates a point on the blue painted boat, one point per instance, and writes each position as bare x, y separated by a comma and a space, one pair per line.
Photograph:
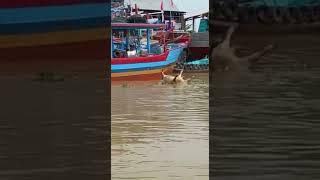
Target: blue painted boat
131, 64
46, 24
64, 32
197, 66
204, 61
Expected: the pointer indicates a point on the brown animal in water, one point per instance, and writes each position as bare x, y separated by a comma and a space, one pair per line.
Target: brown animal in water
224, 57
169, 79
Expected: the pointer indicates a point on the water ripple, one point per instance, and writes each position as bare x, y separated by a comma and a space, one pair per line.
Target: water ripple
266, 120
160, 131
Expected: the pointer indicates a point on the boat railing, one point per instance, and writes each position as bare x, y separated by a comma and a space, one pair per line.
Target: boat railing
122, 44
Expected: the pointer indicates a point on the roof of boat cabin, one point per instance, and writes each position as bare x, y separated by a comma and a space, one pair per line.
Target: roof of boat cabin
136, 26
153, 5
197, 15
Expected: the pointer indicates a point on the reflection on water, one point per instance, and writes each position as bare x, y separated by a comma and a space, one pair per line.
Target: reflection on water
53, 130
266, 120
160, 131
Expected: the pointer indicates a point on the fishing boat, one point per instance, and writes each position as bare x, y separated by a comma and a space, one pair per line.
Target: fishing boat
196, 66
174, 36
133, 60
266, 17
55, 33
199, 44
262, 12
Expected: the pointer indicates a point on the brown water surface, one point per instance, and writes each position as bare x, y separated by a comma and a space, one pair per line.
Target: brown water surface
160, 131
266, 119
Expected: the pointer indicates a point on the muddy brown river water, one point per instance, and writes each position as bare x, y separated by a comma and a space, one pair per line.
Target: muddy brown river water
160, 131
266, 119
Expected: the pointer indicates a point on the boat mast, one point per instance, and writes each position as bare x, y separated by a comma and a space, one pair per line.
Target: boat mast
112, 45
127, 39
163, 21
171, 4
162, 11
148, 40
136, 8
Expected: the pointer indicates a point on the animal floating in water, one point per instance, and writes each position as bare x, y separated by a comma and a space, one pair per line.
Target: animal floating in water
224, 57
169, 79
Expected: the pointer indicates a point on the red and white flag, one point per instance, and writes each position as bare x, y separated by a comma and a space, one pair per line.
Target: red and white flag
161, 6
171, 3
162, 12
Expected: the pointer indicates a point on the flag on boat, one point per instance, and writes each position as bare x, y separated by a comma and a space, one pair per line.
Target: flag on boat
161, 6
162, 12
171, 3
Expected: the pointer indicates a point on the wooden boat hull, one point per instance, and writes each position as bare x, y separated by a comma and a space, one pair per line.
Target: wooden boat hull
145, 71
197, 66
39, 34
147, 75
197, 52
199, 46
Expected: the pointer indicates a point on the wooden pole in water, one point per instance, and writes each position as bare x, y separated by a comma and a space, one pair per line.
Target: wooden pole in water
170, 21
